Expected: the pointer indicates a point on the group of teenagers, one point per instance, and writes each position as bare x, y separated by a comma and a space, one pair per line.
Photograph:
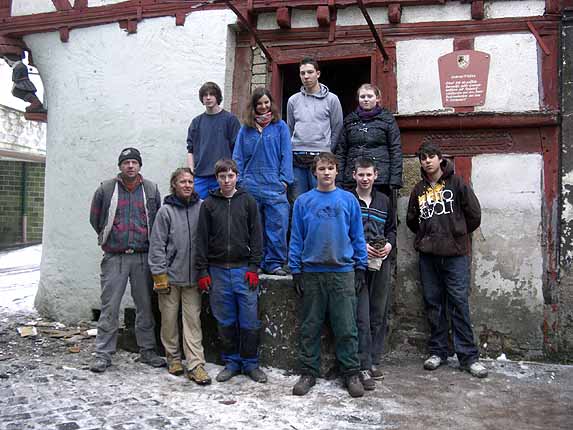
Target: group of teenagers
326, 179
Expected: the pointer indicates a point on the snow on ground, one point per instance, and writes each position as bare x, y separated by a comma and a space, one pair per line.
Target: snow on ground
19, 277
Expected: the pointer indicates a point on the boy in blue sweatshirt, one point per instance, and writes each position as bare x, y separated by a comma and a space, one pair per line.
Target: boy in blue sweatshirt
328, 261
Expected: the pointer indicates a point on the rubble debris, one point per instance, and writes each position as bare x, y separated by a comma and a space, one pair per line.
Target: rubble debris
27, 331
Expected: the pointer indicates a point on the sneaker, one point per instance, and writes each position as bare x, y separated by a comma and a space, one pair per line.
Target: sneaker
150, 357
433, 362
303, 385
257, 375
376, 372
367, 382
476, 369
99, 365
226, 374
278, 271
199, 375
354, 386
176, 368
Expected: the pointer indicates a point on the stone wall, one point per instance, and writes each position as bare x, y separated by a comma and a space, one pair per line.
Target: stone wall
259, 70
561, 314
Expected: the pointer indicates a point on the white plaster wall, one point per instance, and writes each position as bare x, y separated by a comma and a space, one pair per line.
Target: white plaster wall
108, 90
303, 18
513, 8
268, 21
418, 76
94, 3
29, 7
353, 16
451, 11
18, 134
507, 249
513, 84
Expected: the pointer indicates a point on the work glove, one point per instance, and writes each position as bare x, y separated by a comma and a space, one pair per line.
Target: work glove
298, 284
161, 283
252, 279
204, 283
359, 280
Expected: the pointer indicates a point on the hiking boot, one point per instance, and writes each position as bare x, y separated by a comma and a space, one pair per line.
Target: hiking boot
150, 357
176, 368
199, 375
257, 375
367, 381
354, 386
277, 271
99, 365
476, 369
226, 374
303, 385
376, 372
433, 362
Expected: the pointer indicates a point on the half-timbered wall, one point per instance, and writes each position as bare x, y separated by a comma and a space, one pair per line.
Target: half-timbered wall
108, 88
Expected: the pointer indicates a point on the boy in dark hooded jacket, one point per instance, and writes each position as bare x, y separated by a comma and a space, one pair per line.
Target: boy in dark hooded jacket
443, 211
229, 252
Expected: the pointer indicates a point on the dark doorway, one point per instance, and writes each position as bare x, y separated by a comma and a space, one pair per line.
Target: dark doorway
342, 77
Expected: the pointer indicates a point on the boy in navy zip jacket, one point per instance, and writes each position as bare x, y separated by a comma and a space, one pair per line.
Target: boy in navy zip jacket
443, 210
328, 262
229, 251
373, 301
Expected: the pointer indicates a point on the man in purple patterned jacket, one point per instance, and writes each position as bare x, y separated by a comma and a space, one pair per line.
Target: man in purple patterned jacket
122, 214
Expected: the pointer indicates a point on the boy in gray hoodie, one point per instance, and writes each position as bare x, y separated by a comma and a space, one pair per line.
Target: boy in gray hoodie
314, 116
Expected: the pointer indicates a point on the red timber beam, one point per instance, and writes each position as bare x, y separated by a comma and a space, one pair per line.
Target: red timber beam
247, 22
377, 37
80, 15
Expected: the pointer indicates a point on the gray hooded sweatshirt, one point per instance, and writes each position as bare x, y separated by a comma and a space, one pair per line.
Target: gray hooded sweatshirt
315, 120
172, 241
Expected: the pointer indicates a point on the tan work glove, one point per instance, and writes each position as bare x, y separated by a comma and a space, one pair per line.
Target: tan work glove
161, 283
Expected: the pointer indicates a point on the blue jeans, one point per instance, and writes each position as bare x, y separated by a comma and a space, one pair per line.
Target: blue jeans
304, 181
204, 184
445, 286
274, 214
234, 306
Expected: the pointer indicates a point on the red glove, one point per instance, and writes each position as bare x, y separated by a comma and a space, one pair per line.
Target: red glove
253, 279
204, 283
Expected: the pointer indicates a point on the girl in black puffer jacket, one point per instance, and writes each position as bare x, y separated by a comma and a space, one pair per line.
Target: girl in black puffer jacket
370, 132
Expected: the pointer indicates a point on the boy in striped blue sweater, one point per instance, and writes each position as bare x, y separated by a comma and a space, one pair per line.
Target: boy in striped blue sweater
373, 300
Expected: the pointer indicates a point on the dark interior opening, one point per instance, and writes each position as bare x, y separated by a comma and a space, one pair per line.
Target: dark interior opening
342, 77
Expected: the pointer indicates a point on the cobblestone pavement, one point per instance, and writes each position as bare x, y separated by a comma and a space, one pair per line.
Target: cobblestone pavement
45, 386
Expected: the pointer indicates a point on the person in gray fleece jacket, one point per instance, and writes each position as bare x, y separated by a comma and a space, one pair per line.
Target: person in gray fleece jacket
172, 264
314, 116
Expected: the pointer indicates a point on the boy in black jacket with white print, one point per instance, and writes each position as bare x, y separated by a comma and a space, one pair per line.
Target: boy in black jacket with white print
443, 210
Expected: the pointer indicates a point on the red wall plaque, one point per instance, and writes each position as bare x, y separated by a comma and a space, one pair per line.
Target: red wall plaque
463, 78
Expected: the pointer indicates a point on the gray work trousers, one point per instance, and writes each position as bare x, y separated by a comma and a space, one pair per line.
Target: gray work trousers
116, 270
372, 314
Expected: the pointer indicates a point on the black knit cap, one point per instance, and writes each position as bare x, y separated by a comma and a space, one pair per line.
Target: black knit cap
129, 154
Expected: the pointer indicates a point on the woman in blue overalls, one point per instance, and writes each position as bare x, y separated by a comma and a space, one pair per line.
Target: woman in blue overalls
264, 156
